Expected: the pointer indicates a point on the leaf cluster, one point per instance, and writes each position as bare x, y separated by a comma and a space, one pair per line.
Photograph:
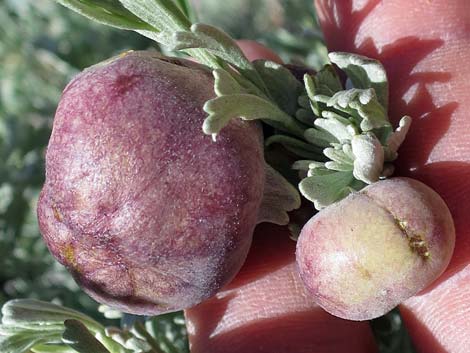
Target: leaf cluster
30, 326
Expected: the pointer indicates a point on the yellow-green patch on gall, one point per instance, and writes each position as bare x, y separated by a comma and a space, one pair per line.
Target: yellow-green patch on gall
69, 256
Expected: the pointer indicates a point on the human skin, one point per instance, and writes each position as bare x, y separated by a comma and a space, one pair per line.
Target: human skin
424, 45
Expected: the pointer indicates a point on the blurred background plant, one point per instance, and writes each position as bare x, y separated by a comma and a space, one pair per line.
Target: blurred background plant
42, 45
289, 27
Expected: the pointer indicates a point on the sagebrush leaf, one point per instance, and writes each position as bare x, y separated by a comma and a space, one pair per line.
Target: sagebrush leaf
326, 187
248, 107
111, 13
77, 336
364, 73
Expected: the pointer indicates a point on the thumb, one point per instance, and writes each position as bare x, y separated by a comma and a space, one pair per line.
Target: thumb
425, 47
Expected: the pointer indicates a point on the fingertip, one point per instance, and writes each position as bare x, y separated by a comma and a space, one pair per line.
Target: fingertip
418, 43
438, 320
366, 26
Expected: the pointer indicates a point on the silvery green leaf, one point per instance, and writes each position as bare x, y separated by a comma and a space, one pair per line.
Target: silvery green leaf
305, 167
77, 336
396, 138
357, 185
338, 155
165, 38
27, 324
316, 165
364, 102
9, 329
323, 190
320, 98
34, 323
319, 137
309, 84
279, 198
127, 339
185, 7
219, 43
340, 158
369, 157
22, 340
363, 73
164, 15
324, 83
372, 112
109, 312
327, 81
117, 334
347, 149
130, 340
335, 127
299, 147
342, 99
304, 164
338, 145
282, 85
49, 348
318, 169
215, 40
137, 345
109, 12
248, 107
348, 123
31, 313
339, 166
225, 84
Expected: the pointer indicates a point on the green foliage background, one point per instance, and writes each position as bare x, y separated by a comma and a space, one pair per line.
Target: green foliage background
42, 45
